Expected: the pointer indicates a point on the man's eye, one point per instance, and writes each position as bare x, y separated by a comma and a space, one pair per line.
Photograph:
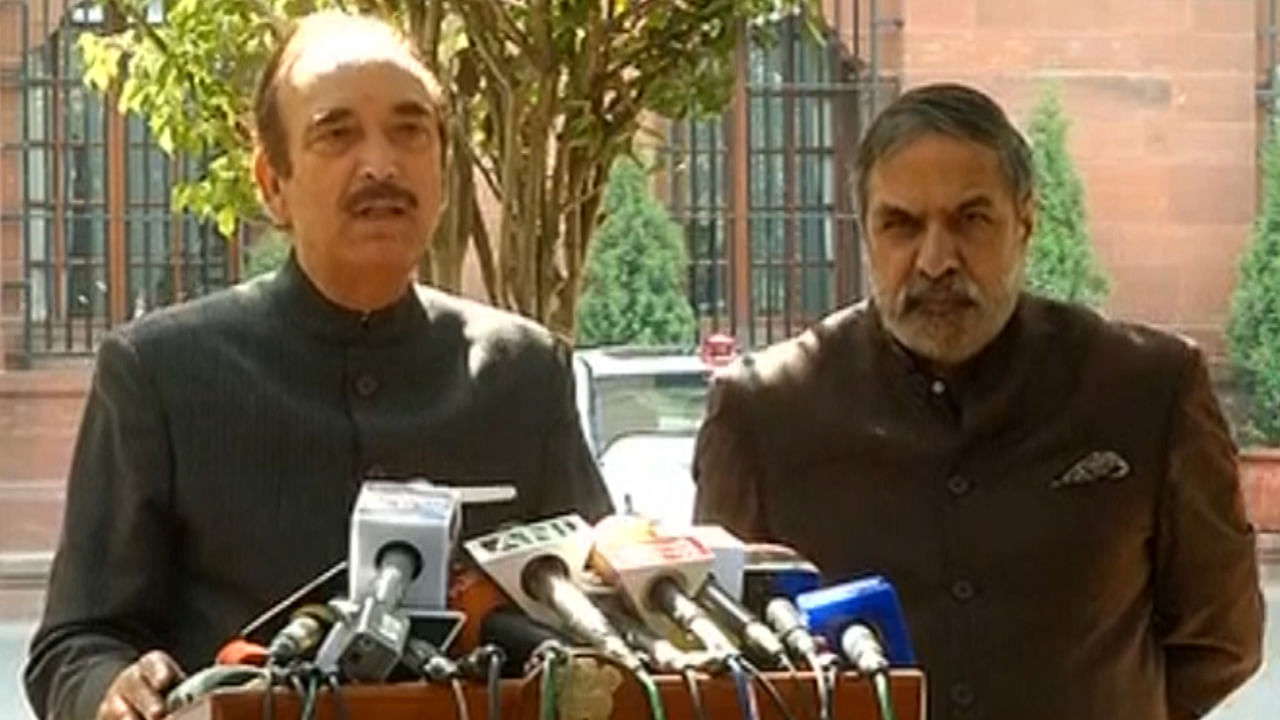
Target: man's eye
977, 218
410, 131
337, 134
897, 223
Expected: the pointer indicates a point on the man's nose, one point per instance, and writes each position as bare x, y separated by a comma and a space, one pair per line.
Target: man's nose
378, 159
938, 253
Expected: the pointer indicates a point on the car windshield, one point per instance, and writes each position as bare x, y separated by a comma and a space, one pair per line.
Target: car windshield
667, 402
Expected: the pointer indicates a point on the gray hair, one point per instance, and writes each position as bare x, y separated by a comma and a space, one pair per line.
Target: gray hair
948, 109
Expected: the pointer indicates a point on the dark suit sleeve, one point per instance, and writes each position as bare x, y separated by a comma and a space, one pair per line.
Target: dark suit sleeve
1208, 601
110, 574
570, 479
726, 465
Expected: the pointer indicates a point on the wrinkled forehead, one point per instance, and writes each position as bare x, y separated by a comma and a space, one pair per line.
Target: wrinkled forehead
936, 170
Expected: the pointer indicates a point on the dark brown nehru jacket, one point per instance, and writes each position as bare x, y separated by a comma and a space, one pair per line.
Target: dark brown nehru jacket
1062, 519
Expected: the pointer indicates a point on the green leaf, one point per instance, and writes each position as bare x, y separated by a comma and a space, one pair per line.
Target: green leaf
227, 219
164, 138
101, 57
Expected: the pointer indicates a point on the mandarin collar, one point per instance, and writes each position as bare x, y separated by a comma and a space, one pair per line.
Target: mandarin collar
978, 377
304, 305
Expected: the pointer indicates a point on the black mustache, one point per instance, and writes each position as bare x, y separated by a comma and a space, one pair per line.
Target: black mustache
377, 192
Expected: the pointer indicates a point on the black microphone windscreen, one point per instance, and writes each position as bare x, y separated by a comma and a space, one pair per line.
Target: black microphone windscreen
519, 636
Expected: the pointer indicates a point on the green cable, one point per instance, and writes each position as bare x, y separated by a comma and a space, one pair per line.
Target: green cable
547, 706
883, 696
655, 698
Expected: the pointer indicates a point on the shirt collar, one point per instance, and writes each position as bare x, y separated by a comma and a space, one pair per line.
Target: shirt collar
308, 308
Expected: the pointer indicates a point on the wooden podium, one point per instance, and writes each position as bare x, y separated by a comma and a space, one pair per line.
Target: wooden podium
854, 699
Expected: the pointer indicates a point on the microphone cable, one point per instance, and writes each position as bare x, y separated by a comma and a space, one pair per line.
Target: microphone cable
862, 647
813, 708
484, 664
497, 658
269, 694
695, 694
459, 699
307, 681
785, 619
310, 694
339, 701
656, 708
746, 698
770, 689
884, 697
547, 690
826, 687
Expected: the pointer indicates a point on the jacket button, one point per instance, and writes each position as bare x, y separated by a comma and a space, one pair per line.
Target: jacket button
962, 590
961, 694
366, 385
958, 485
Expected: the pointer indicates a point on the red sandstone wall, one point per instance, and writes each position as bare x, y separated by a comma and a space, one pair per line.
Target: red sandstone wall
39, 415
1161, 96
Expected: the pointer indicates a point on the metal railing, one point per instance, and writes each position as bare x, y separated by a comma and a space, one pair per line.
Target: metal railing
764, 193
87, 185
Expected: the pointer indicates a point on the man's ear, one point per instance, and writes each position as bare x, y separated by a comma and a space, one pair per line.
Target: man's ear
269, 190
1027, 219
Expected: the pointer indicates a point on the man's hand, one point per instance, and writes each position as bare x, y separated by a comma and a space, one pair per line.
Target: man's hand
137, 692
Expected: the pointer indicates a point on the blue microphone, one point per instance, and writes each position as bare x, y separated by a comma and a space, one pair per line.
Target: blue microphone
844, 614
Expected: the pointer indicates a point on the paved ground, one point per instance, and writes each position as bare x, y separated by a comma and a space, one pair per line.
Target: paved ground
13, 648
1260, 698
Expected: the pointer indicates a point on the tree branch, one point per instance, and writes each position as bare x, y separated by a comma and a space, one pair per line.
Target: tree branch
494, 16
484, 253
138, 21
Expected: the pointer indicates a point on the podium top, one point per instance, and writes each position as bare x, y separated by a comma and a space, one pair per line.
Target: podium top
854, 699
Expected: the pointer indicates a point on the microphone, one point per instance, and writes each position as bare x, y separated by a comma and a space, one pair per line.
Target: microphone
783, 616
864, 619
420, 519
731, 554
427, 661
368, 641
521, 637
661, 653
535, 564
653, 574
721, 591
204, 682
307, 627
241, 652
756, 637
402, 535
324, 587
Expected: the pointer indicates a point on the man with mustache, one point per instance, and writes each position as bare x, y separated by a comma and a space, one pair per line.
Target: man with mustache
225, 440
1054, 495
